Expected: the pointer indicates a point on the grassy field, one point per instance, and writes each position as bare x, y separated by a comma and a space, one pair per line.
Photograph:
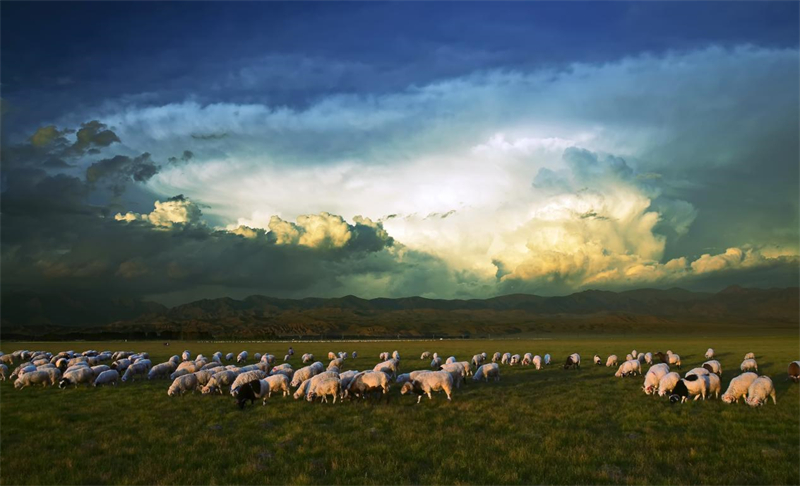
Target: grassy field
548, 426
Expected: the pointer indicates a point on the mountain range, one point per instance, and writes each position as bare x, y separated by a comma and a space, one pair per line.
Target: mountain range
28, 315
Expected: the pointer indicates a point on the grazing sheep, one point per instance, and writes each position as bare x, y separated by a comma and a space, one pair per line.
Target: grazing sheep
370, 382
389, 367
426, 383
343, 354
179, 373
189, 366
3, 372
496, 357
537, 362
697, 371
275, 384
653, 378
456, 372
405, 377
354, 355
750, 356
336, 363
322, 388
738, 387
749, 364
108, 377
710, 353
514, 360
713, 366
331, 355
714, 385
640, 358
99, 369
175, 360
246, 377
186, 355
242, 357
212, 365
303, 374
219, 380
611, 361
648, 358
489, 370
307, 358
547, 360
346, 378
7, 360
667, 383
628, 357
75, 377
436, 363
597, 360
451, 359
286, 358
670, 358
692, 385
248, 391
425, 355
506, 359
628, 368
32, 378
133, 370
761, 389
120, 365
467, 368
383, 356
573, 361
268, 358
203, 377
477, 360
54, 374
284, 369
396, 355
794, 371
217, 357
634, 353
229, 357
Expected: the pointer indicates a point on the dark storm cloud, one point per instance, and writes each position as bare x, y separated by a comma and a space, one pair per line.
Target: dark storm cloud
119, 170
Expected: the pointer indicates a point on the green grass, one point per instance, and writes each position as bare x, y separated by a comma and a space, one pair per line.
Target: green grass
548, 426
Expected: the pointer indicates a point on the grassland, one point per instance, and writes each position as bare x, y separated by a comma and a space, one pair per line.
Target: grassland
548, 426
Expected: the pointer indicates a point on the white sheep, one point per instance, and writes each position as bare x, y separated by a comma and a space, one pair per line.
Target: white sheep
628, 357
667, 383
182, 384
108, 377
630, 367
354, 355
275, 384
218, 380
547, 359
286, 358
343, 354
515, 360
203, 377
133, 370
710, 353
396, 355
506, 359
749, 364
451, 359
346, 378
403, 378
242, 357
477, 360
99, 369
713, 366
369, 382
611, 361
186, 355
527, 359
383, 356
77, 376
714, 385
697, 371
634, 353
750, 356
3, 371
306, 385
693, 385
389, 367
653, 377
303, 374
329, 386
738, 387
31, 379
573, 361
537, 362
425, 355
331, 355
336, 363
467, 368
456, 372
597, 360
307, 358
760, 390
489, 370
229, 357
496, 357
436, 363
648, 358
246, 377
426, 383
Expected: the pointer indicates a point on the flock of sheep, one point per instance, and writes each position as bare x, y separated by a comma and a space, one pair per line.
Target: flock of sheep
316, 381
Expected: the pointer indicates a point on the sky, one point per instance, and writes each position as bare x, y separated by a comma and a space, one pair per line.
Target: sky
184, 150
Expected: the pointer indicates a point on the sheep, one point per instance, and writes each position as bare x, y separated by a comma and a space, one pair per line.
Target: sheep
794, 371
186, 355
283, 369
456, 371
670, 358
738, 387
302, 390
667, 383
331, 355
286, 358
228, 356
467, 368
355, 355
436, 363
537, 362
368, 382
634, 353
7, 360
77, 376
710, 353
3, 372
403, 378
653, 377
692, 385
429, 382
175, 360
697, 371
425, 355
527, 358
275, 384
303, 374
749, 364
246, 377
322, 388
133, 370
514, 360
750, 356
489, 370
346, 378
547, 360
343, 354
628, 357
451, 359
108, 377
496, 357
203, 377
337, 363
220, 379
96, 370
307, 358
242, 357
714, 385
505, 359
212, 365
22, 369
573, 361
630, 367
54, 374
477, 360
713, 366
396, 355
597, 360
335, 369
32, 378
759, 390
179, 373
611, 361
120, 365
257, 356
217, 356
189, 366
389, 367
383, 356
648, 358
248, 391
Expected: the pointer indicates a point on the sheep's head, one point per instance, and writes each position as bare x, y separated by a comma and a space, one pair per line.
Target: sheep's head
407, 388
728, 398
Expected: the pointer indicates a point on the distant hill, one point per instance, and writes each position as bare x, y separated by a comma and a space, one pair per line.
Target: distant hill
644, 310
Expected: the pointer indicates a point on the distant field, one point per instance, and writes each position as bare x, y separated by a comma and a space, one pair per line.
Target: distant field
548, 426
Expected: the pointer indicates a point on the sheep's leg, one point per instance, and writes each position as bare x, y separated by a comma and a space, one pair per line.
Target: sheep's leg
418, 399
774, 397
